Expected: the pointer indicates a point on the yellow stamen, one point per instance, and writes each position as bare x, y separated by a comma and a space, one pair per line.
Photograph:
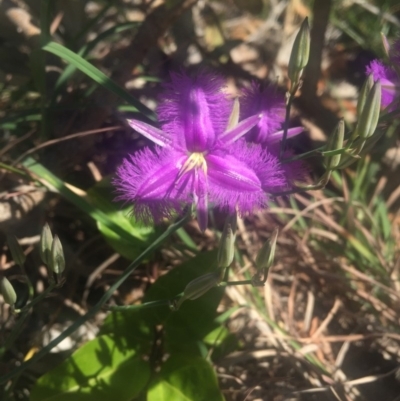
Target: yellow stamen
195, 160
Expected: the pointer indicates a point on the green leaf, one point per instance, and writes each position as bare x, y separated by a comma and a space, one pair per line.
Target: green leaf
88, 47
98, 76
123, 232
186, 328
100, 195
185, 379
102, 369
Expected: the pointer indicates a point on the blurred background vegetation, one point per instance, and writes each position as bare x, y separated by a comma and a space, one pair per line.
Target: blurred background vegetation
326, 325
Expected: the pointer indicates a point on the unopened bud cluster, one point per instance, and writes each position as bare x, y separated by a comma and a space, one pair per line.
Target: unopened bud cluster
52, 253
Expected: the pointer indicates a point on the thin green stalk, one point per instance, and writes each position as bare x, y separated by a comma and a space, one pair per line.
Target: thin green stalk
24, 313
13, 169
146, 305
286, 124
92, 312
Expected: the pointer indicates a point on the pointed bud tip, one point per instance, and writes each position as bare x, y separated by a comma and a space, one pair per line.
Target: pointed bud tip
17, 253
8, 292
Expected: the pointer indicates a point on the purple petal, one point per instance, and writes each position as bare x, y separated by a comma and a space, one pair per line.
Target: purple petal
233, 185
231, 174
148, 180
154, 134
271, 103
194, 110
388, 78
241, 129
264, 163
277, 136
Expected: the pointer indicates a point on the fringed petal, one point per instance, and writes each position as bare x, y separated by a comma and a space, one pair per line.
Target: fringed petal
194, 110
149, 181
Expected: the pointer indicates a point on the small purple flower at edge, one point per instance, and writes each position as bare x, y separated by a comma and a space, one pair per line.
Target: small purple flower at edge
268, 131
389, 80
197, 160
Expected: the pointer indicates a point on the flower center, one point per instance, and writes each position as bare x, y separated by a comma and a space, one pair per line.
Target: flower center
195, 160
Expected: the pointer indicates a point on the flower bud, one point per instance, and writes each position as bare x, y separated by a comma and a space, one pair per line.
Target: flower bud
370, 113
300, 53
265, 257
362, 98
8, 292
199, 286
335, 143
235, 114
385, 43
226, 250
57, 260
17, 253
46, 240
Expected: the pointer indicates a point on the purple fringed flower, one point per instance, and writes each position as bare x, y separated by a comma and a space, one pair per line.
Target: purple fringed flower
271, 104
197, 160
389, 80
268, 131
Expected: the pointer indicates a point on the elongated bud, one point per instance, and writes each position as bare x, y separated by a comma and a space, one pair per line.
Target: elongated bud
8, 292
235, 114
199, 286
266, 255
46, 240
335, 143
362, 98
370, 114
17, 253
385, 43
57, 263
226, 250
300, 53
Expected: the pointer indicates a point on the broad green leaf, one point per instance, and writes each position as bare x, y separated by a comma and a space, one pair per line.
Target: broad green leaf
98, 76
221, 342
102, 369
186, 328
185, 379
100, 196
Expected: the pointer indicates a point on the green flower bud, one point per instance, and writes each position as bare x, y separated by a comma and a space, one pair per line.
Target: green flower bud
226, 250
57, 260
385, 43
46, 240
300, 53
335, 143
199, 286
368, 120
362, 98
17, 253
266, 255
8, 292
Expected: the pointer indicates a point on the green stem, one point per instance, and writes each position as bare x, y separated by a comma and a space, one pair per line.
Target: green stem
92, 312
13, 169
146, 305
17, 329
239, 282
286, 125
